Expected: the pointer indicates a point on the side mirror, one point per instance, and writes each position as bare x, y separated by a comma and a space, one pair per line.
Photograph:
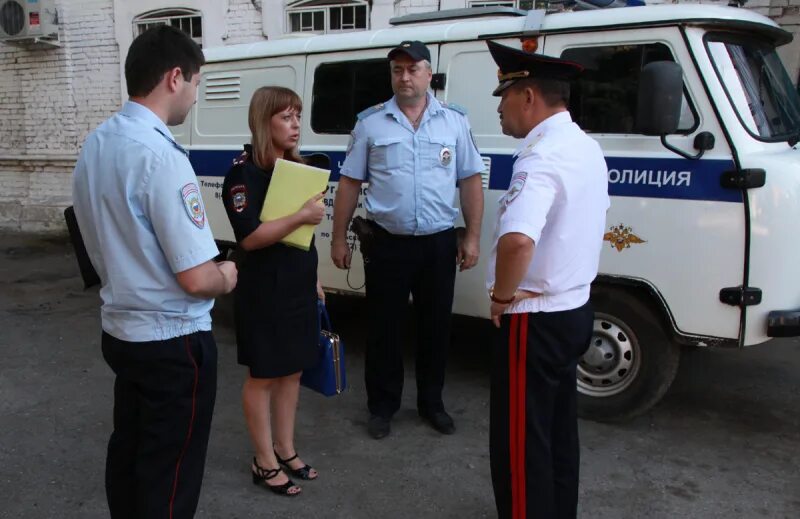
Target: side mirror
658, 110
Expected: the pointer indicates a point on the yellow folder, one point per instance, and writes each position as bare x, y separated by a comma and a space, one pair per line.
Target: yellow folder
291, 186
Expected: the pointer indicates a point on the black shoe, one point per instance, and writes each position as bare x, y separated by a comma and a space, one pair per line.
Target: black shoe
262, 475
439, 420
378, 426
303, 472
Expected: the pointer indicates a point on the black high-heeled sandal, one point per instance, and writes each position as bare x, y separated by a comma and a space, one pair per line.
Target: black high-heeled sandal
262, 475
303, 472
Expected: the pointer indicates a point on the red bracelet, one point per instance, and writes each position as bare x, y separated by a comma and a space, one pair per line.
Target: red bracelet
500, 301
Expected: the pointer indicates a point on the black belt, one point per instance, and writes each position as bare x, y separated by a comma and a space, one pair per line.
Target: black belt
383, 232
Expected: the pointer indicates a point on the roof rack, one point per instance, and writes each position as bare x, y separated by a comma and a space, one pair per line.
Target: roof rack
456, 14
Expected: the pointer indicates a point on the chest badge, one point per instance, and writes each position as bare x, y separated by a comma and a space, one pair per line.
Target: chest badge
194, 204
239, 197
445, 156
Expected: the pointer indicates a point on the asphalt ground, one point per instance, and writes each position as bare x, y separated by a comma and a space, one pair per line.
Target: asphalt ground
724, 442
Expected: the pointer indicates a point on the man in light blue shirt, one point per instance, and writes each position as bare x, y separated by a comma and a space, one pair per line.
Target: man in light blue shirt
144, 226
415, 152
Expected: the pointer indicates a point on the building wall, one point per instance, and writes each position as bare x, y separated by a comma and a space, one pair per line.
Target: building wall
50, 98
243, 23
404, 7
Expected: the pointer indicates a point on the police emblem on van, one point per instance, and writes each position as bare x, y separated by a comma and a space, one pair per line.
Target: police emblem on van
621, 237
194, 204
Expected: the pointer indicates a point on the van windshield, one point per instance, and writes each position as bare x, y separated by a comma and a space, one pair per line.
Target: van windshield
757, 85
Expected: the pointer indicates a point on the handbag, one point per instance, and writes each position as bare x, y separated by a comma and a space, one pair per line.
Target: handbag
88, 273
327, 376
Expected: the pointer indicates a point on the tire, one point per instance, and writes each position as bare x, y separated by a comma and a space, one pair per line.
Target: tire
630, 362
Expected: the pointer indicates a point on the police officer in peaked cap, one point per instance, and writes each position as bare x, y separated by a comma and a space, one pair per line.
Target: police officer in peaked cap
416, 153
549, 234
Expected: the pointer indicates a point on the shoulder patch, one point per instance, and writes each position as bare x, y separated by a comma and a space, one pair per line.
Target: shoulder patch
455, 108
514, 188
194, 204
369, 111
238, 194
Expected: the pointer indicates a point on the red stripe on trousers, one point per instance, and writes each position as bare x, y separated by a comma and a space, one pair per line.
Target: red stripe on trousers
521, 414
191, 426
512, 411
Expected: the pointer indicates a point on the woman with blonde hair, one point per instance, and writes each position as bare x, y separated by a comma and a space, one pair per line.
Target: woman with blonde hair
275, 302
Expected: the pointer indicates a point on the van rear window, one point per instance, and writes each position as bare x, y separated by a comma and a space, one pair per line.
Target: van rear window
345, 88
603, 100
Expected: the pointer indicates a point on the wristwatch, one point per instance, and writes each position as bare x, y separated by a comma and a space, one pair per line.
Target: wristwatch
500, 301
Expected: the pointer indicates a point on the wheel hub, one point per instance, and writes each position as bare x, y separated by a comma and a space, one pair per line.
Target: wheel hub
612, 361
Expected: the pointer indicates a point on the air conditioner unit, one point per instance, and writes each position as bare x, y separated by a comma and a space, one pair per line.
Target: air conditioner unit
28, 21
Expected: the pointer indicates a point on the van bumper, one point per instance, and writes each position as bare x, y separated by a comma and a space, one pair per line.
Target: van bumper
783, 323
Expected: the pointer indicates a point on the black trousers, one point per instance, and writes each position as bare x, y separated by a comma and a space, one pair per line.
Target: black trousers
163, 400
533, 432
425, 267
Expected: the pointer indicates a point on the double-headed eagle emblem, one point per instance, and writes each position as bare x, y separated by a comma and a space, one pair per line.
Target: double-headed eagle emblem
621, 236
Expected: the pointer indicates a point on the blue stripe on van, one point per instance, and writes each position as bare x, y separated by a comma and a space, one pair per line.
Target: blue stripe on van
676, 178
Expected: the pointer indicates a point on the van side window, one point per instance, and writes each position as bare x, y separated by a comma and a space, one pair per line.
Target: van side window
603, 100
345, 88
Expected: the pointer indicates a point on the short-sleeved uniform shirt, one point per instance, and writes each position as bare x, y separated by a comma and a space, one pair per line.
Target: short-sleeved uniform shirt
558, 196
142, 219
412, 175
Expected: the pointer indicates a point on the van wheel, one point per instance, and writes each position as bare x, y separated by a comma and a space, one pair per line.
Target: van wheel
630, 362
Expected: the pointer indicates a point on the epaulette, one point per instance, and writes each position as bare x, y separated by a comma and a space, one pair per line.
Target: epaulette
527, 150
369, 111
241, 159
457, 108
172, 141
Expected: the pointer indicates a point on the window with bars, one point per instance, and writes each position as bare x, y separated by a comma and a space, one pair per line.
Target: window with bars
307, 21
519, 4
500, 3
325, 16
187, 20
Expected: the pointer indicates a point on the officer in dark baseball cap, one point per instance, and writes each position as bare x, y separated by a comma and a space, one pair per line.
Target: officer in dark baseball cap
415, 50
412, 139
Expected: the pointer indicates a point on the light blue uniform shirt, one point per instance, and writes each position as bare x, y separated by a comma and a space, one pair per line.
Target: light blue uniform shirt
412, 175
142, 220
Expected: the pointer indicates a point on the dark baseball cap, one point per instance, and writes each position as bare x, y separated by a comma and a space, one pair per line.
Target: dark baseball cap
416, 50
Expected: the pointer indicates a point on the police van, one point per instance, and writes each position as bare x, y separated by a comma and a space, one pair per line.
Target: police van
699, 123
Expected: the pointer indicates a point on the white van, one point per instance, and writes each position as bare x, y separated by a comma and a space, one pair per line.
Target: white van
699, 248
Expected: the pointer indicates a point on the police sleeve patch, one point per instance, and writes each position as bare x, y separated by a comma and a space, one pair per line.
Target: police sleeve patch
239, 197
194, 204
515, 187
